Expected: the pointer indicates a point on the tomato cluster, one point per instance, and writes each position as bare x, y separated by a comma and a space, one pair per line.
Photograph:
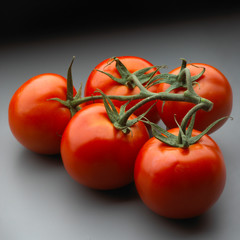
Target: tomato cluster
110, 137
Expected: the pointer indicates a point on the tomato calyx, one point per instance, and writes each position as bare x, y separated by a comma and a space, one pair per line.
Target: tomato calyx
177, 81
120, 119
184, 139
126, 77
70, 98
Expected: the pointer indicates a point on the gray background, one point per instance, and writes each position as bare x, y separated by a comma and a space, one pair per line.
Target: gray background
38, 200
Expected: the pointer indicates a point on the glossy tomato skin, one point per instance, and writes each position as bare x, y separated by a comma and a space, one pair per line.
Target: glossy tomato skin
36, 122
213, 85
180, 183
98, 80
96, 154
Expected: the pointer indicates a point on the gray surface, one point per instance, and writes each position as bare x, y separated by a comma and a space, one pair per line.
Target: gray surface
39, 201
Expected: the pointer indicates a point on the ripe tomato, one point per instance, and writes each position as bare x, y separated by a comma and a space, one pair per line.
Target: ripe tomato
212, 85
98, 80
95, 153
180, 182
35, 122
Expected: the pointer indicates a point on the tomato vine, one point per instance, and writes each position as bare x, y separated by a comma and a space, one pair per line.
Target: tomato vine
104, 139
143, 80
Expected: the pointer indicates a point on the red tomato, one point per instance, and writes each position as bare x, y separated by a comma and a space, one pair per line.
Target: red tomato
212, 85
98, 80
96, 154
37, 123
180, 183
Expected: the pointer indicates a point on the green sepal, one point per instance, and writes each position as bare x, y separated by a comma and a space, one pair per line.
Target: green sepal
145, 77
70, 98
184, 139
126, 76
70, 82
190, 126
161, 134
79, 93
139, 117
162, 78
195, 139
116, 117
123, 71
119, 80
173, 80
110, 107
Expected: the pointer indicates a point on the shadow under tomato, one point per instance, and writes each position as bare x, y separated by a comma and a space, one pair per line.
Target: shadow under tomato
191, 223
123, 194
190, 227
31, 161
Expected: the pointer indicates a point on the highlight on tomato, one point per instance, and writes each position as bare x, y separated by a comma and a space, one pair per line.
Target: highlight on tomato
209, 83
113, 77
98, 155
180, 175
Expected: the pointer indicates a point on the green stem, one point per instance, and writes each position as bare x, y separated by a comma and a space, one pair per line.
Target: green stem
128, 113
145, 95
188, 96
189, 114
139, 85
70, 82
184, 63
190, 93
185, 76
98, 97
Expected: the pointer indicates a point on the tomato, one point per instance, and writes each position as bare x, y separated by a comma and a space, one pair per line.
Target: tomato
212, 85
35, 121
98, 80
180, 182
96, 154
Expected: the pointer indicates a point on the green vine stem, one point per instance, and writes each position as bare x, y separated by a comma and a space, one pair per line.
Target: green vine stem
121, 120
183, 79
188, 96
